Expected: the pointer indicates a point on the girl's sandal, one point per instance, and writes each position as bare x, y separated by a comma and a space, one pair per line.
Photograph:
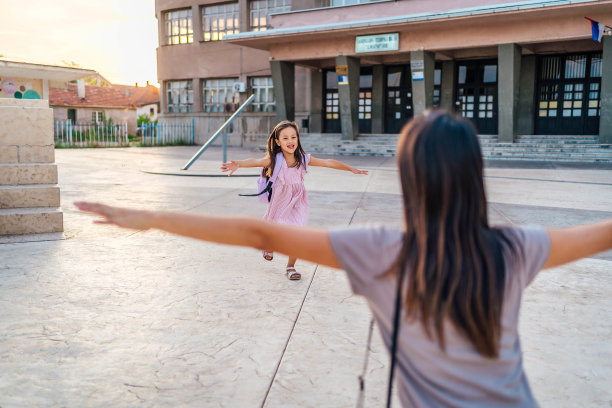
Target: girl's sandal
268, 255
292, 274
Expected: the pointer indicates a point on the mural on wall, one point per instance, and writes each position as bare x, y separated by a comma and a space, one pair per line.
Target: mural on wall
20, 88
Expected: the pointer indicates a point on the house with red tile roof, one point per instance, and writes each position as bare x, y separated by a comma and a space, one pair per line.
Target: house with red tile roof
82, 103
146, 98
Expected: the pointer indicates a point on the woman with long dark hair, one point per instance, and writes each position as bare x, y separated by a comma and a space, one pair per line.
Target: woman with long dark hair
448, 285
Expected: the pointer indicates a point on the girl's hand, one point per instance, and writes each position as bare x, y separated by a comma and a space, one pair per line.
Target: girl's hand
230, 166
122, 217
357, 171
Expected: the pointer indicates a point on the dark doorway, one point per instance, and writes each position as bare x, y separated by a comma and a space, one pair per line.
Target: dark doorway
365, 100
477, 94
568, 94
331, 104
72, 115
398, 101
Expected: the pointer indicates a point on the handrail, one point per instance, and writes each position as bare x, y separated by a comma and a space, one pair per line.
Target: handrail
218, 132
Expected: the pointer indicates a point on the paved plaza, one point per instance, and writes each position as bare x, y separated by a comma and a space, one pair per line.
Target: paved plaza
104, 317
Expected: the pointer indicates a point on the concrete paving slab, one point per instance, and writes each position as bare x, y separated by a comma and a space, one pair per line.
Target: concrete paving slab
110, 317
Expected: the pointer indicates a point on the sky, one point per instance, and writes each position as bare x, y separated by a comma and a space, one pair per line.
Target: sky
117, 38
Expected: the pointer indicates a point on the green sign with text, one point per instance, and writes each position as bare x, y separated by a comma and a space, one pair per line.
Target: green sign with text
377, 43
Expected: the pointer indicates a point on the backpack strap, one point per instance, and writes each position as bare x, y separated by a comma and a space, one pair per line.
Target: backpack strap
279, 162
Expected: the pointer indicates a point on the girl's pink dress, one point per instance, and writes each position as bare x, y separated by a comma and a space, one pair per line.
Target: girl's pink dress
289, 203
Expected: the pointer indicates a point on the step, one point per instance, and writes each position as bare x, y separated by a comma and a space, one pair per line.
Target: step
17, 221
13, 174
28, 196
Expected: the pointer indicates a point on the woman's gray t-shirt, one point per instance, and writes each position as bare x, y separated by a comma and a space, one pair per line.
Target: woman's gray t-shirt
426, 375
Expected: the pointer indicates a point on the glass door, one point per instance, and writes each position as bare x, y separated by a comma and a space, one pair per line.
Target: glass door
477, 94
398, 102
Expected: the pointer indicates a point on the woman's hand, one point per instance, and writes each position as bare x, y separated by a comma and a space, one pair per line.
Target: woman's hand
357, 171
122, 217
230, 166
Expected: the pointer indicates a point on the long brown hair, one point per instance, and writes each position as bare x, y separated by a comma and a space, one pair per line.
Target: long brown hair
273, 148
454, 259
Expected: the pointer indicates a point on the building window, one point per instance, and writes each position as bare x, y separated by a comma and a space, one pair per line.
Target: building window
341, 3
437, 88
219, 95
219, 20
263, 89
180, 96
178, 27
97, 117
260, 11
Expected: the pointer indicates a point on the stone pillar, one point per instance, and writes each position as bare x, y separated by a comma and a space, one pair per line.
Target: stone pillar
526, 104
283, 77
447, 86
198, 106
196, 23
348, 95
605, 110
422, 65
29, 195
316, 101
378, 98
508, 74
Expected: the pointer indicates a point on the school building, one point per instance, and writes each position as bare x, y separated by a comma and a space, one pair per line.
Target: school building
355, 68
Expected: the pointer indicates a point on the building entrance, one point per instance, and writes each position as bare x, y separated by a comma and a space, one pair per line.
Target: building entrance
398, 101
477, 94
568, 94
331, 122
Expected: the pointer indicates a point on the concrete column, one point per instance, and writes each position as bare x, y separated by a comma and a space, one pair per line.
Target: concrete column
447, 86
161, 29
316, 101
508, 74
283, 77
196, 23
422, 66
198, 106
163, 102
348, 95
45, 90
378, 98
605, 110
244, 16
526, 104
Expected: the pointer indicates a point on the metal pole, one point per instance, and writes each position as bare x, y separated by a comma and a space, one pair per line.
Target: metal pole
224, 146
218, 132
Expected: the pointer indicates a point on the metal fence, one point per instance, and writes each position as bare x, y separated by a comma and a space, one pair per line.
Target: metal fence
68, 134
156, 134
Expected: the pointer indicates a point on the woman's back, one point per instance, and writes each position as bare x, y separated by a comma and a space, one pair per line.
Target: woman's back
459, 375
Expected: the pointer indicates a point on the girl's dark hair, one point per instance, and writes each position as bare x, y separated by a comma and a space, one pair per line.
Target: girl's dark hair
454, 259
273, 148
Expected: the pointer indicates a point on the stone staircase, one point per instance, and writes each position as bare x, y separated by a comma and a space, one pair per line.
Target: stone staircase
29, 194
585, 149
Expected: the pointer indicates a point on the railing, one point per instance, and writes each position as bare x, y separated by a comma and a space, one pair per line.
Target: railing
220, 131
157, 134
68, 134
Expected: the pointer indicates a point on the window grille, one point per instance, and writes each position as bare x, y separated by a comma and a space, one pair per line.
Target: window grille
263, 88
178, 27
219, 95
260, 11
219, 20
180, 96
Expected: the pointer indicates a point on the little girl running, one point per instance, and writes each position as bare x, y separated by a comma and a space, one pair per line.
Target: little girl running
289, 201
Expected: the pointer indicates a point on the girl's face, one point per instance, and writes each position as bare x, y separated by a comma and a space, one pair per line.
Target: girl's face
287, 140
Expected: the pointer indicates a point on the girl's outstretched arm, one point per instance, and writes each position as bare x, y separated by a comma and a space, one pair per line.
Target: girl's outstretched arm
301, 242
334, 164
233, 165
573, 243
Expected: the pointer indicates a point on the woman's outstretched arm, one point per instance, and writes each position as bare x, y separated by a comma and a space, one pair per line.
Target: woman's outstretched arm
334, 164
234, 165
573, 243
301, 242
